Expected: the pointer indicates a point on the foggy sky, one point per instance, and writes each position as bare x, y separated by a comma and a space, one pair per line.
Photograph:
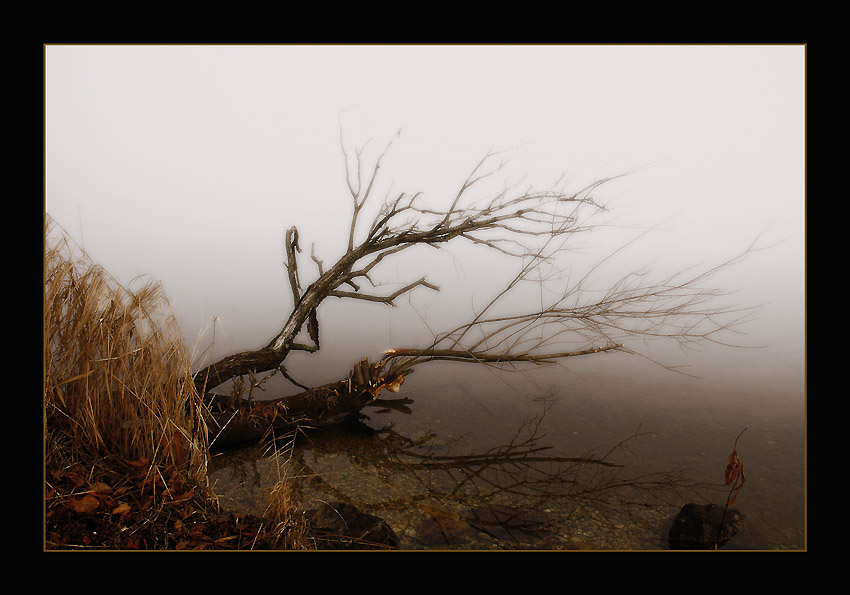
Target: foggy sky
188, 163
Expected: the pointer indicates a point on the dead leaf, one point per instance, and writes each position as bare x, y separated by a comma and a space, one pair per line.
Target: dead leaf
86, 504
121, 508
100, 488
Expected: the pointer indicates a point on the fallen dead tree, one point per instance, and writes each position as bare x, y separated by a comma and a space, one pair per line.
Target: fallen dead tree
533, 228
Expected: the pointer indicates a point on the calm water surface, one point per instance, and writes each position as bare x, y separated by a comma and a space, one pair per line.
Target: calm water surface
472, 463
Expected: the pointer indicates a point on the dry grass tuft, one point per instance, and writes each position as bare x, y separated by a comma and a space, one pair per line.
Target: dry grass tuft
117, 379
126, 445
288, 527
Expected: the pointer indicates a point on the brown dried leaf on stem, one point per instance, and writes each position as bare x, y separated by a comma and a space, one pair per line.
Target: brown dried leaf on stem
734, 474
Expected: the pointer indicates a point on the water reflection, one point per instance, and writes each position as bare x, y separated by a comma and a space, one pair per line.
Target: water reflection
437, 492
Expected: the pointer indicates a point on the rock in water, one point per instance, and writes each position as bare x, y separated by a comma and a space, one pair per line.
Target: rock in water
509, 523
337, 525
697, 527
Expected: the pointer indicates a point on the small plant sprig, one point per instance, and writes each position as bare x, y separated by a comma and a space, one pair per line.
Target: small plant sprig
735, 477
735, 473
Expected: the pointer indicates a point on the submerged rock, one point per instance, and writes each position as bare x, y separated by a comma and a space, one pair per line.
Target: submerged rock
441, 528
515, 524
697, 527
337, 525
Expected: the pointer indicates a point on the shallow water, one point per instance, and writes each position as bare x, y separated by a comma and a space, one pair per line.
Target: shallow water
475, 464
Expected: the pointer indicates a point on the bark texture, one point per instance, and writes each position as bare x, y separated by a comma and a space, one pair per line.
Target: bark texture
231, 423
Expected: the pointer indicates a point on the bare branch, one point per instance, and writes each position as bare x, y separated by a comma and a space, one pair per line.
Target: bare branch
286, 375
426, 355
355, 193
291, 264
316, 259
303, 347
470, 181
389, 299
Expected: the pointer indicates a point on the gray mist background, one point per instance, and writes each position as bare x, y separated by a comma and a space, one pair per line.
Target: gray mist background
187, 164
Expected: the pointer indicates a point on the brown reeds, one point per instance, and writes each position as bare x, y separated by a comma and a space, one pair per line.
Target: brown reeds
287, 527
125, 439
117, 379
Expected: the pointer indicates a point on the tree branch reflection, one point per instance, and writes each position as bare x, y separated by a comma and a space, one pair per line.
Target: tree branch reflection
394, 471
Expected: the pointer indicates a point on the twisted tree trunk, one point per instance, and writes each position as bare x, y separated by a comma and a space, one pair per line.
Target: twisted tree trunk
235, 422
